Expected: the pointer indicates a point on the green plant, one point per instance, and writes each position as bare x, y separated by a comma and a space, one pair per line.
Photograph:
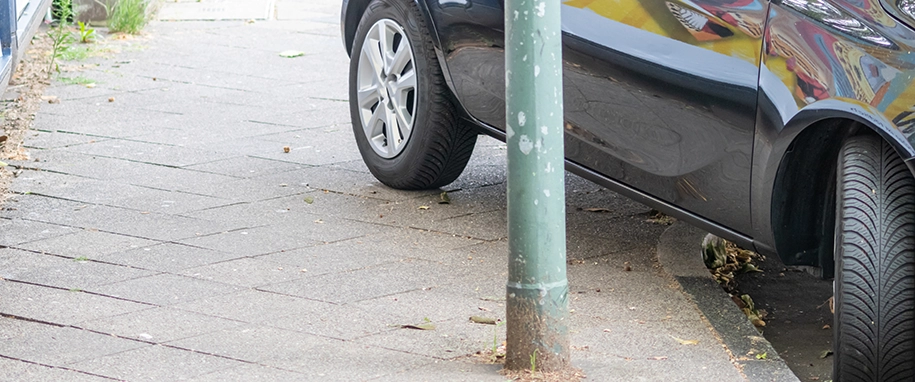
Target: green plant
86, 34
78, 80
81, 258
128, 16
60, 36
495, 338
56, 5
75, 53
534, 361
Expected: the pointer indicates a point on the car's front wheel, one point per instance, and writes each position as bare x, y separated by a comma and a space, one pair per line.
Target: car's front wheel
406, 126
875, 264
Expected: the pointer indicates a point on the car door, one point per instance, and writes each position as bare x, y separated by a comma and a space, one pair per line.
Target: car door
659, 94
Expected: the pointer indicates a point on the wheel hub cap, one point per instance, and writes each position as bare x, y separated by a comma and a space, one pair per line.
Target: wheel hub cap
386, 88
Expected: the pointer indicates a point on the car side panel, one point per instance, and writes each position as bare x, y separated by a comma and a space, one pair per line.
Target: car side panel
661, 95
828, 59
664, 109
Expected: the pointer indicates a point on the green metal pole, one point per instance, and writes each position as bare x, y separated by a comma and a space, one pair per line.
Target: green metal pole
537, 291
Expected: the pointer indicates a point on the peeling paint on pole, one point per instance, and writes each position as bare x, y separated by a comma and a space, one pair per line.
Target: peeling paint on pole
537, 290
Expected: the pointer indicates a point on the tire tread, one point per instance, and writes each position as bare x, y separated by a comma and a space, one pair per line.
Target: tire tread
875, 285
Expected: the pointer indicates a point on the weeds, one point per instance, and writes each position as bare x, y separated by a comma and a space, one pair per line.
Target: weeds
78, 80
60, 36
86, 34
534, 361
496, 354
128, 16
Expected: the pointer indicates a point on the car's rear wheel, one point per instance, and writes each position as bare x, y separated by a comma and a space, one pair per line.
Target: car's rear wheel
875, 264
406, 126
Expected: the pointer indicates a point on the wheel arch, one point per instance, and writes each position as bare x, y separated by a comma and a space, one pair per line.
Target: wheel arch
802, 205
351, 14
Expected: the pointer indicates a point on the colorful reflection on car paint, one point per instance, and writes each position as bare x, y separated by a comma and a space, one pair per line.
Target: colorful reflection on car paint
732, 28
852, 51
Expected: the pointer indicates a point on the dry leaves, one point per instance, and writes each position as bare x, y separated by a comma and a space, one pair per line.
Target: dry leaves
483, 320
658, 217
425, 326
685, 342
291, 53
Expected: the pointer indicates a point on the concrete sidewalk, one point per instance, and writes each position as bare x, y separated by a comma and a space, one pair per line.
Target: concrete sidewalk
160, 232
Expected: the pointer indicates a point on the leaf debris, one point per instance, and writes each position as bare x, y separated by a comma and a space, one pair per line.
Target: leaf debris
686, 342
483, 320
292, 53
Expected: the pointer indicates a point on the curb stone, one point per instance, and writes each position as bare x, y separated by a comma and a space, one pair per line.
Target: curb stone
680, 256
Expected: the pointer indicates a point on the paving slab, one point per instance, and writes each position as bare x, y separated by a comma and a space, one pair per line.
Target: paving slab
247, 272
246, 166
349, 361
66, 273
77, 164
25, 371
433, 305
165, 257
115, 194
163, 155
297, 10
254, 343
256, 241
18, 231
39, 139
158, 325
451, 339
187, 181
52, 345
249, 372
216, 10
392, 244
146, 364
344, 322
95, 119
60, 306
128, 222
385, 279
460, 370
170, 289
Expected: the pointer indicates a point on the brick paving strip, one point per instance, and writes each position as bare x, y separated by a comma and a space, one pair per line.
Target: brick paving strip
159, 231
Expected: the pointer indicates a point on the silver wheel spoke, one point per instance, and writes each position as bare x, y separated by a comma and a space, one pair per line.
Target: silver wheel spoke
406, 82
368, 96
375, 125
393, 131
374, 56
387, 50
385, 86
405, 121
400, 59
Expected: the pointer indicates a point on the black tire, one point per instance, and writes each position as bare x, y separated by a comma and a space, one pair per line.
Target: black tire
440, 144
875, 264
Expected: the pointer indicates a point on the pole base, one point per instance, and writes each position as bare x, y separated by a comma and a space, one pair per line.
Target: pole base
537, 331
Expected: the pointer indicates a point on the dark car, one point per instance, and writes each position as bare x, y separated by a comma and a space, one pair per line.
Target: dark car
786, 126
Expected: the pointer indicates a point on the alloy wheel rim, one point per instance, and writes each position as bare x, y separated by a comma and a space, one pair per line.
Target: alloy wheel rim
386, 88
